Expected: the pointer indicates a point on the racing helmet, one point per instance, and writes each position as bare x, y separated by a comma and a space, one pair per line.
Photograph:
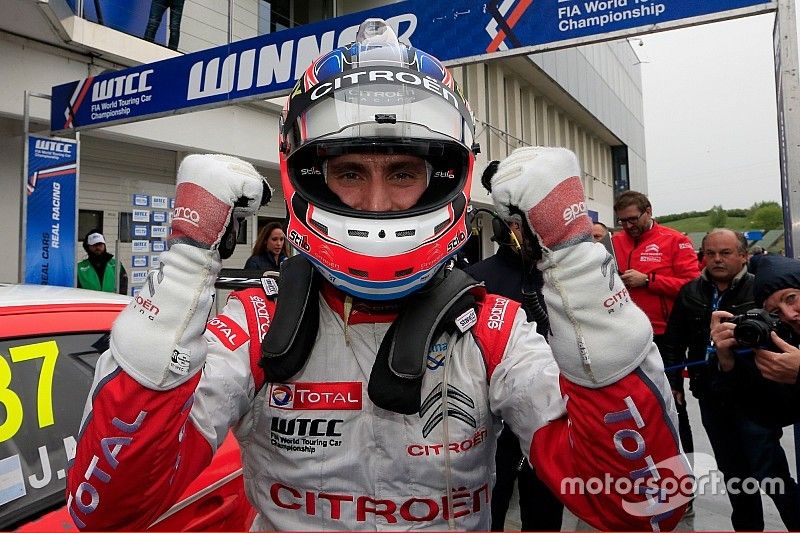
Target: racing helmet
377, 96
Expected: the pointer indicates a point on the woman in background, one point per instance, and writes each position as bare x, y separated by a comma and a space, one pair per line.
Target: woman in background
269, 250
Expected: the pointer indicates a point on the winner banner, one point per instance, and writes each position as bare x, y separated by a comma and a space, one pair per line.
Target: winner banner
52, 188
456, 32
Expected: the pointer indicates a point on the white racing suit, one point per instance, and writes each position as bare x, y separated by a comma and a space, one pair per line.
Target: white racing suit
319, 455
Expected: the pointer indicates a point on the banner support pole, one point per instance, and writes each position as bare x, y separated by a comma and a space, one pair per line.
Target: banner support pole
23, 211
23, 192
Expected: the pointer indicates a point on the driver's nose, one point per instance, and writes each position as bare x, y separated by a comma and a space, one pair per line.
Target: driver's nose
376, 197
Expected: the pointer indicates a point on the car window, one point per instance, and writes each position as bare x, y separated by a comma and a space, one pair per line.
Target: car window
44, 382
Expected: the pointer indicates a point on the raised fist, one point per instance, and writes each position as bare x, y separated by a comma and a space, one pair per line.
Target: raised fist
209, 187
544, 184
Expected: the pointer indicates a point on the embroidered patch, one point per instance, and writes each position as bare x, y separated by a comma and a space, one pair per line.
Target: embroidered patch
270, 286
179, 362
467, 319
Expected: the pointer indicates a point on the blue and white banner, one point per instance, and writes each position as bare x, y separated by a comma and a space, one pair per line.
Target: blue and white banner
52, 210
457, 31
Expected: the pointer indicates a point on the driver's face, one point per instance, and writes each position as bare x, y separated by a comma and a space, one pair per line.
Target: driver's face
377, 182
97, 249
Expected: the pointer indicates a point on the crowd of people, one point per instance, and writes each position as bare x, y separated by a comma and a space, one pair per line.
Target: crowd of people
661, 270
375, 336
743, 413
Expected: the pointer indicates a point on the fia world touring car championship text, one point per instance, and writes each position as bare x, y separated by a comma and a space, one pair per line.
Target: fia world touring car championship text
127, 91
593, 13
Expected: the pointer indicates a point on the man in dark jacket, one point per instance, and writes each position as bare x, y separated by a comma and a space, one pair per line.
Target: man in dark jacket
512, 272
743, 449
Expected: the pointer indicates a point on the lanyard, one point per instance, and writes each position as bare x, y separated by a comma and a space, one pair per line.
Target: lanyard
716, 297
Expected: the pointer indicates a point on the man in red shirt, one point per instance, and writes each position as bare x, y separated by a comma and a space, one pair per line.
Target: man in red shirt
654, 263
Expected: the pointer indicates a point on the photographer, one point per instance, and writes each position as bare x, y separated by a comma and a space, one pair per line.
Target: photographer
777, 291
761, 406
726, 285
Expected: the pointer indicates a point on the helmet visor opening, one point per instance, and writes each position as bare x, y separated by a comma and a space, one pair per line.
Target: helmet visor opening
448, 171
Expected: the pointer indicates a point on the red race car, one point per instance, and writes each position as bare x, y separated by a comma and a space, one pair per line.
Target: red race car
50, 340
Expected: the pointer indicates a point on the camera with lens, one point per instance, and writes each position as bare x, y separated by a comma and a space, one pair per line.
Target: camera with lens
753, 328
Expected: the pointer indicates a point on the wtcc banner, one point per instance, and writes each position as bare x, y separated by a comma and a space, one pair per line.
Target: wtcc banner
457, 31
52, 210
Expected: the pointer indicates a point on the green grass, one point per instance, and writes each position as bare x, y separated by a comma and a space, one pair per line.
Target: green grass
689, 225
694, 225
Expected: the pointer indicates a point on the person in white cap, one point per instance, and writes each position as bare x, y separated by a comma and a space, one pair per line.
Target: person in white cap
98, 271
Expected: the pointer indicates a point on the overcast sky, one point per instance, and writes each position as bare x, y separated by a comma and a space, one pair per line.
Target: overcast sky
709, 116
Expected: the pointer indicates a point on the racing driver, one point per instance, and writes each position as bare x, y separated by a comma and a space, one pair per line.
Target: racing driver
369, 393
